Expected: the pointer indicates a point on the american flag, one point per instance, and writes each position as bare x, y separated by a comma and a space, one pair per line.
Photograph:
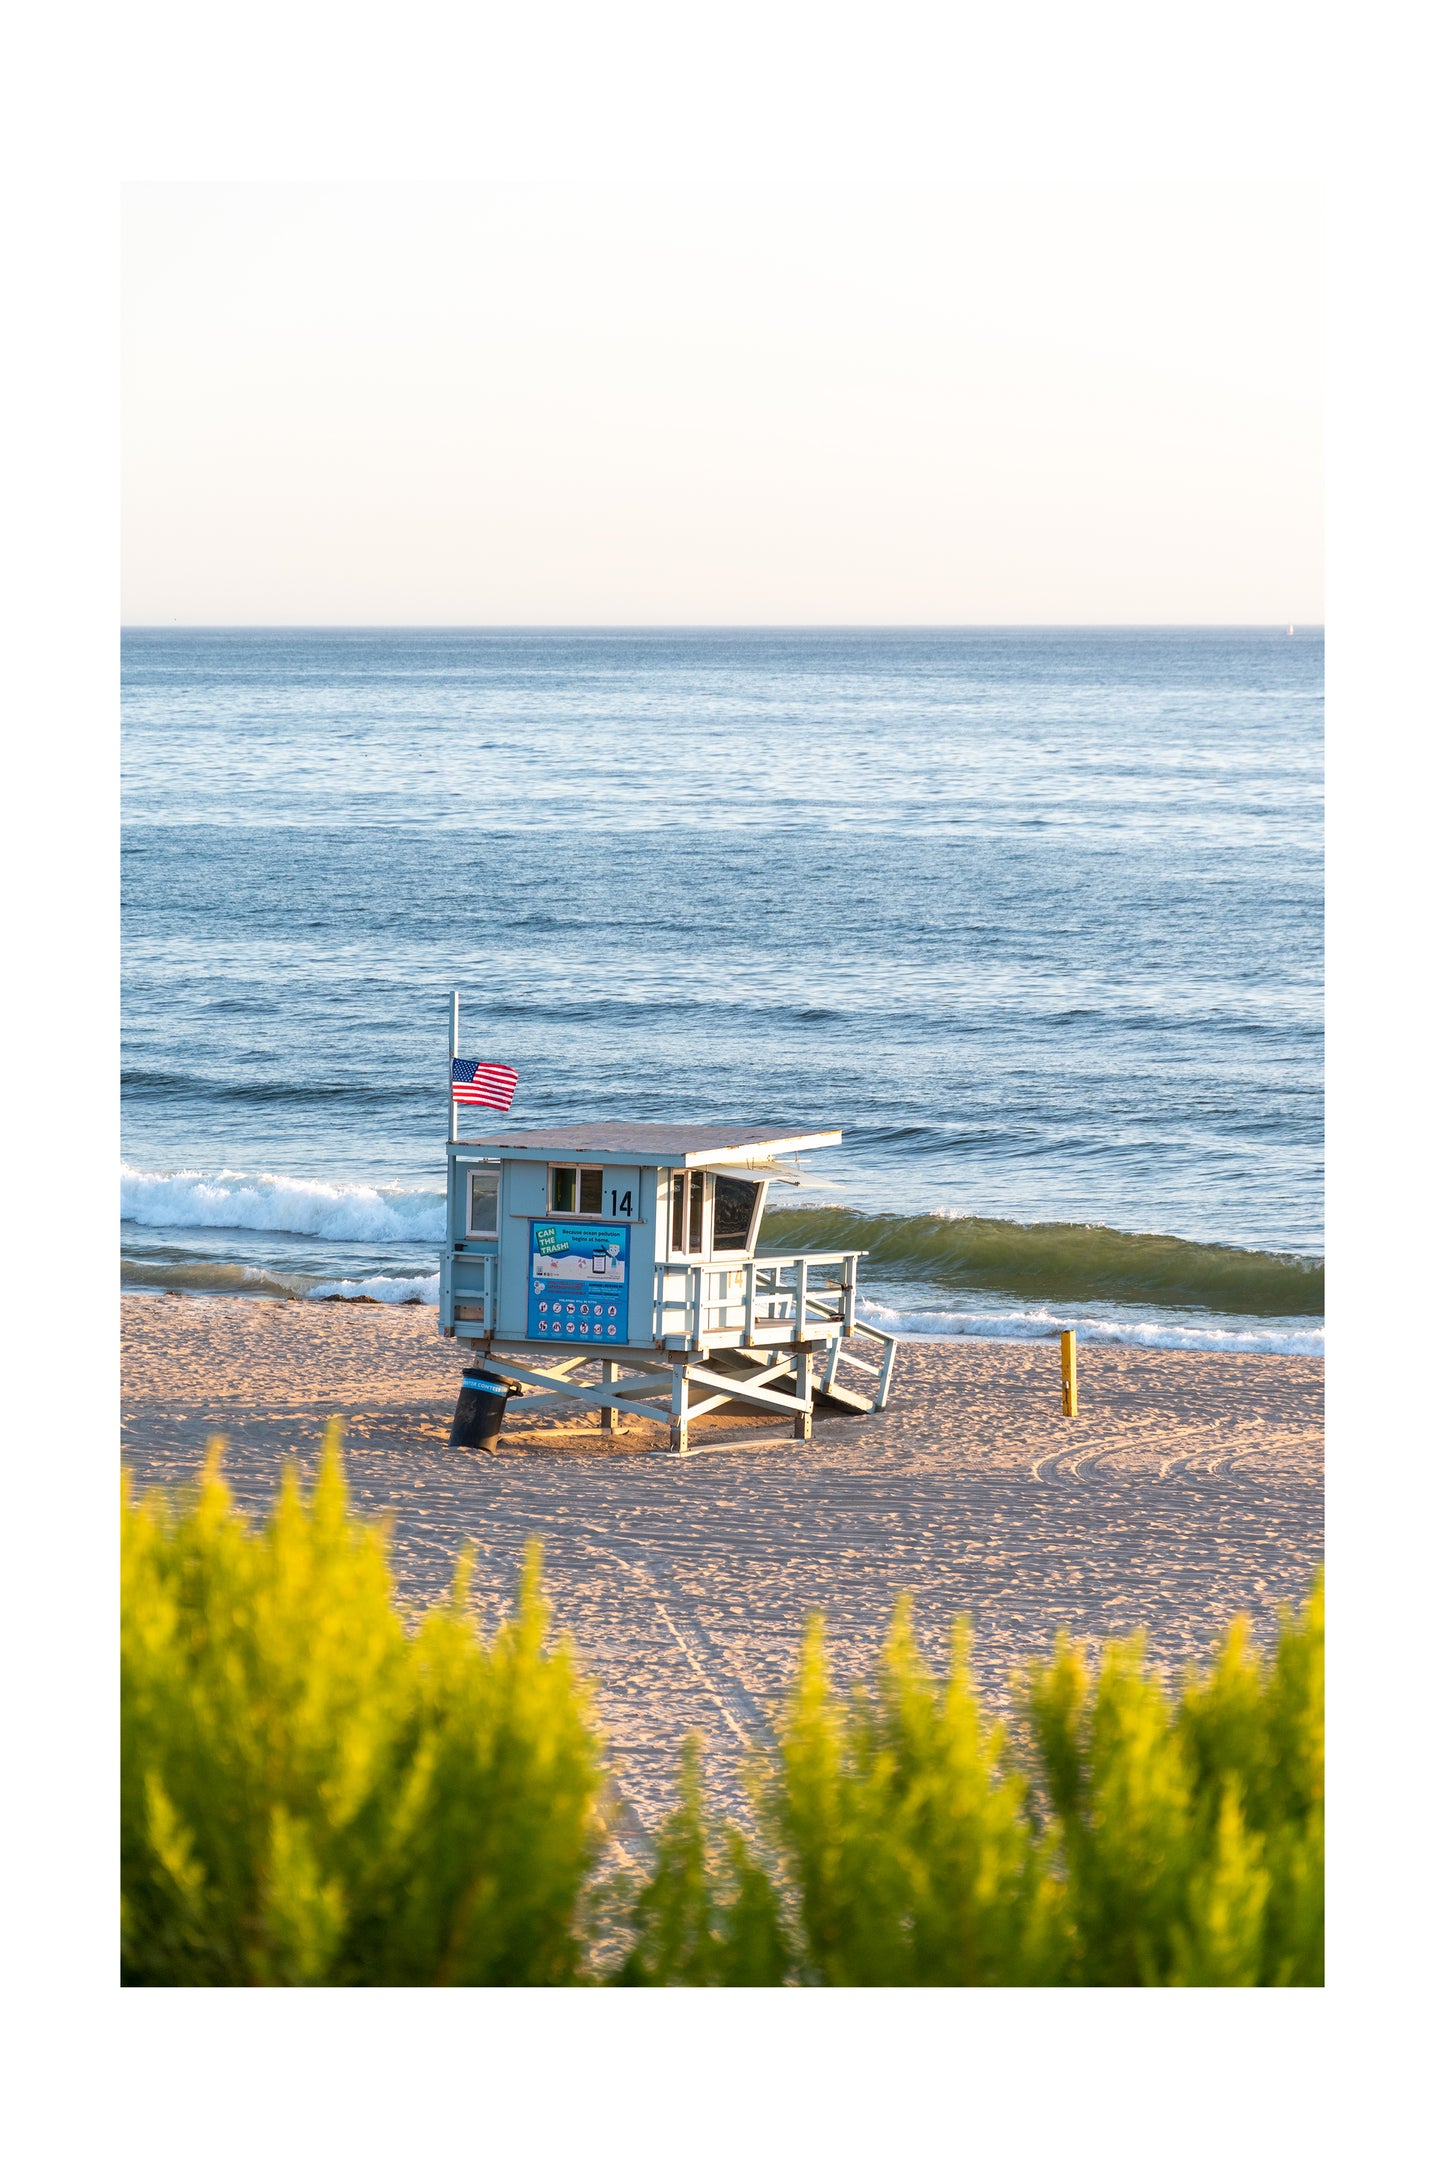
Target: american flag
483, 1084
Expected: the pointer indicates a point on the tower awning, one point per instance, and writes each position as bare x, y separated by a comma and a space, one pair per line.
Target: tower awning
657, 1144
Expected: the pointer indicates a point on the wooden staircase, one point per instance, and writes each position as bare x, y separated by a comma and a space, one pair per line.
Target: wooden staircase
830, 1395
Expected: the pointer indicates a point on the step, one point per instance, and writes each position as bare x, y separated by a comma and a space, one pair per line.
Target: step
738, 1362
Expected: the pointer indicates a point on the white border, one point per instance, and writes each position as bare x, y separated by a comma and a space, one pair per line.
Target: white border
639, 2078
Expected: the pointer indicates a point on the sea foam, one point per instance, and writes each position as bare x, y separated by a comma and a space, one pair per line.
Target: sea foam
1046, 1324
381, 1287
282, 1204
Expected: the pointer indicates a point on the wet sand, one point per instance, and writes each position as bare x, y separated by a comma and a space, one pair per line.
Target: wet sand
1188, 1489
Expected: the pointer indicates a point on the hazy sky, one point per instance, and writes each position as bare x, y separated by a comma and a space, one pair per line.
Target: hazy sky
822, 342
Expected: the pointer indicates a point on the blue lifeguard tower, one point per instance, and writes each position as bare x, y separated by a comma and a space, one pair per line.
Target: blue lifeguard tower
617, 1263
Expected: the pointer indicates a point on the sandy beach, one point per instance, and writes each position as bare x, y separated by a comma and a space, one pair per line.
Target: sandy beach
1188, 1489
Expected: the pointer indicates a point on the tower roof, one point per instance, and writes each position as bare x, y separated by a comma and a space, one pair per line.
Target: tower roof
658, 1144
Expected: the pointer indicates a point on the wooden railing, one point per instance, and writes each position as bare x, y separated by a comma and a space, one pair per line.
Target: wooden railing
810, 1297
764, 1301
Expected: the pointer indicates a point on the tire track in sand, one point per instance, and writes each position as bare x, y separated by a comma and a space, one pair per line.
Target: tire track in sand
709, 1663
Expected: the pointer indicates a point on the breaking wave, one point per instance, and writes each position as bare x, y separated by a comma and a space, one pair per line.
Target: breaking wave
1040, 1266
282, 1204
206, 1276
381, 1287
210, 1277
1059, 1262
1044, 1324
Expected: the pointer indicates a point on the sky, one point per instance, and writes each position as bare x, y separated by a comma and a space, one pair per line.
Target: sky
815, 323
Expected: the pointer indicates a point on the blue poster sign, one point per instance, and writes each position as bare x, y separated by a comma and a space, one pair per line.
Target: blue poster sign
578, 1285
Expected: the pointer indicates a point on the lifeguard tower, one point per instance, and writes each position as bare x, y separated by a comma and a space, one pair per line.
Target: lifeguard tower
630, 1249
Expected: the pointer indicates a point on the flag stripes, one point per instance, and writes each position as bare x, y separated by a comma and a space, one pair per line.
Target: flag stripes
483, 1084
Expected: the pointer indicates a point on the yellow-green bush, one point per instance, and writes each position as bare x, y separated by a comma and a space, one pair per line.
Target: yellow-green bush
904, 1830
1117, 1839
1192, 1832
312, 1793
708, 1915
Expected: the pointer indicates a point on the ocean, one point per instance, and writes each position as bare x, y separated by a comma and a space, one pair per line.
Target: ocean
1034, 917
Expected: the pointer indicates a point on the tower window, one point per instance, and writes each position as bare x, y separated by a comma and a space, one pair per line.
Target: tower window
576, 1189
482, 1184
732, 1212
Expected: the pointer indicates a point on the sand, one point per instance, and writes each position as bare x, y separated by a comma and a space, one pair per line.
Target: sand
1188, 1489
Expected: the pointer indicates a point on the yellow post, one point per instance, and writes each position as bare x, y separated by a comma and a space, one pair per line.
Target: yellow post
1069, 1364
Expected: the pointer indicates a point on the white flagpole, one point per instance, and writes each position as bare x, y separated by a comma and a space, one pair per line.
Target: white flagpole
456, 1037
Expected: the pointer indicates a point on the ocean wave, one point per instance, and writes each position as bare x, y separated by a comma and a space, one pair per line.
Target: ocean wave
164, 1084
1059, 1262
381, 1287
1045, 1262
282, 1204
1044, 1324
209, 1277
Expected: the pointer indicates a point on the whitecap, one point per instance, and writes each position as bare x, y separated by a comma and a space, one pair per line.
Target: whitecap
282, 1204
381, 1287
1046, 1324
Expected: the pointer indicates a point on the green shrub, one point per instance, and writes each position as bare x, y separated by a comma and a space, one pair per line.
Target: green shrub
311, 1794
1120, 1839
903, 1830
708, 1915
1192, 1831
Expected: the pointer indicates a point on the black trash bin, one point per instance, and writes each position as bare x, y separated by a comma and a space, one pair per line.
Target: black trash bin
481, 1404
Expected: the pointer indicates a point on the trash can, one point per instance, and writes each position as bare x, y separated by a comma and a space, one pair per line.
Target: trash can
481, 1404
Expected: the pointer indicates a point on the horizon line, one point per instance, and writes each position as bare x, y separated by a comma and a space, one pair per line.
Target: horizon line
1263, 624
